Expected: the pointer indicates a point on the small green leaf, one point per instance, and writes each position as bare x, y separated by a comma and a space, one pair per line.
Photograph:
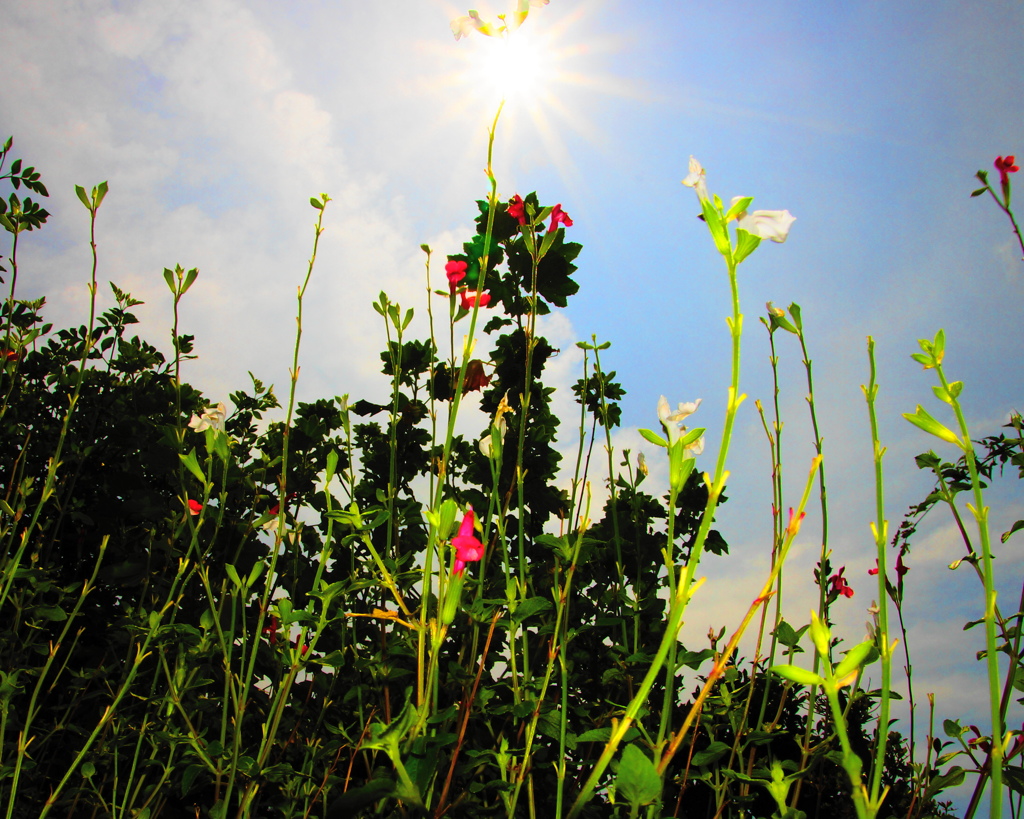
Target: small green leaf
1005, 536
653, 437
746, 243
740, 205
531, 606
192, 465
233, 575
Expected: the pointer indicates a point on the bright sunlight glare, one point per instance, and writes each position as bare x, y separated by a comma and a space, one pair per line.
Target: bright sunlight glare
514, 67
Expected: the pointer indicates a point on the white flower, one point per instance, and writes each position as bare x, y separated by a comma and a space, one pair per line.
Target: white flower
765, 224
696, 448
464, 26
487, 442
212, 417
695, 180
672, 420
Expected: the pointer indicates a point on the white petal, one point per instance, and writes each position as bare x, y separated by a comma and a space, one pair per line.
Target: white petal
767, 224
695, 180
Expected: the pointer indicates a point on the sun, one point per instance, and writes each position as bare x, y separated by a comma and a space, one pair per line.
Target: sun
543, 76
512, 68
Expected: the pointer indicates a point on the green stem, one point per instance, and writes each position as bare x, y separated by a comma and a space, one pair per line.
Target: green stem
980, 512
880, 530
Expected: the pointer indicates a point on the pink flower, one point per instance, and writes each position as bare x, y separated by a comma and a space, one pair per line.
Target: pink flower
473, 298
456, 272
194, 507
1005, 165
468, 549
516, 209
559, 215
839, 583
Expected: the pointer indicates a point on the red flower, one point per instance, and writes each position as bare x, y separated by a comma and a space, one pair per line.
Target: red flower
270, 629
468, 548
476, 378
194, 506
472, 298
276, 508
456, 272
1005, 165
559, 215
516, 209
901, 569
839, 583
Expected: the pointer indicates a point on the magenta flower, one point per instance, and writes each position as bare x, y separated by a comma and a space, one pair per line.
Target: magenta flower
1005, 165
456, 272
474, 298
468, 548
559, 216
839, 584
517, 209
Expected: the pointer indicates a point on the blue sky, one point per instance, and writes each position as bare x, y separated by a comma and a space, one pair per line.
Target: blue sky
214, 123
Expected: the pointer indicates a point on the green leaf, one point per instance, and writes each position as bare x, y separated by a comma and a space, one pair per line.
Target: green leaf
715, 751
951, 728
746, 243
855, 658
83, 196
798, 675
637, 780
190, 277
192, 465
355, 800
233, 574
978, 192
950, 779
1014, 778
189, 777
653, 437
1005, 536
740, 205
786, 635
922, 420
531, 606
52, 613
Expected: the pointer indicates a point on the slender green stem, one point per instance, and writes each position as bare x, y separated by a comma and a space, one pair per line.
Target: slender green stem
880, 529
980, 512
